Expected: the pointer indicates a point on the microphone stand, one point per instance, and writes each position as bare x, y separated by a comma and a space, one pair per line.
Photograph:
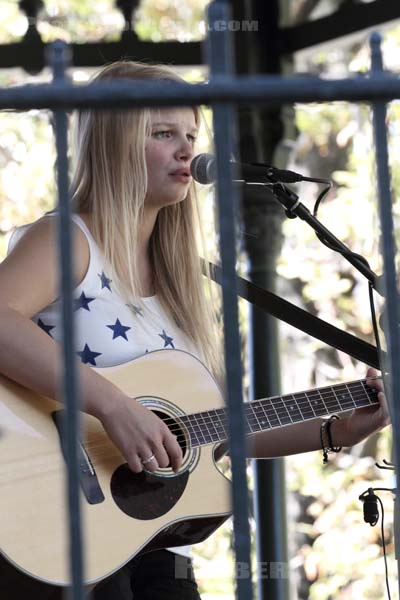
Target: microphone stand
294, 208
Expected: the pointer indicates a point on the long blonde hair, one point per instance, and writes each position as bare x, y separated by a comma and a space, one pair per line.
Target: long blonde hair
110, 183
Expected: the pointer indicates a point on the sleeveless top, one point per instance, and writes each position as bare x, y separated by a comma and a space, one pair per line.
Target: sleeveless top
108, 331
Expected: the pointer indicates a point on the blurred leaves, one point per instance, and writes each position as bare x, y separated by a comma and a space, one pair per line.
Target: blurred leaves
85, 21
27, 186
334, 553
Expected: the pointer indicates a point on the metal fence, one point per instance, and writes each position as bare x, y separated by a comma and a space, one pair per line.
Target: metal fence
223, 92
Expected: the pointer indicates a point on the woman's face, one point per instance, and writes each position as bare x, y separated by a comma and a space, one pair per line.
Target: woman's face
169, 151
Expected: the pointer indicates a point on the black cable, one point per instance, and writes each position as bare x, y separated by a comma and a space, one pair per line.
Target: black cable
378, 345
384, 547
321, 197
370, 516
373, 317
370, 494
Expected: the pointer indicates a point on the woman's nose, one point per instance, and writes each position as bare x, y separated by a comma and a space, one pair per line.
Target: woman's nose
185, 150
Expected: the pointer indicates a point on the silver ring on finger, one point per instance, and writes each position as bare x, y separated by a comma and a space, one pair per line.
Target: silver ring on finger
146, 461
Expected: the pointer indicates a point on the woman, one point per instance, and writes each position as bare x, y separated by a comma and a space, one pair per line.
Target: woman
139, 288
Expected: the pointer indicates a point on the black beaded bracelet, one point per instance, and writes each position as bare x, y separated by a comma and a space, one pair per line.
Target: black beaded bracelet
326, 438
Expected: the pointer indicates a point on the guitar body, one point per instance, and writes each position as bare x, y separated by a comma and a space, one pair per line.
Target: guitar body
123, 513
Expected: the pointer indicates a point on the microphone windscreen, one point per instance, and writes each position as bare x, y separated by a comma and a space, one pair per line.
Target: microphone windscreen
202, 168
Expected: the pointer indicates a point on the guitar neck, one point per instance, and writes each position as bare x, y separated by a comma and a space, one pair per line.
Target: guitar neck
279, 411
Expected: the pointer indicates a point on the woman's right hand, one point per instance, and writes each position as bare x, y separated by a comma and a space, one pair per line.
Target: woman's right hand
139, 434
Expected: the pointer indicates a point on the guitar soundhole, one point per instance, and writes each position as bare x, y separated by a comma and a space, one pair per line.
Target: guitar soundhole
146, 495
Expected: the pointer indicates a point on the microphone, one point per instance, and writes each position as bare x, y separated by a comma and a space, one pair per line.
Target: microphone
203, 170
370, 506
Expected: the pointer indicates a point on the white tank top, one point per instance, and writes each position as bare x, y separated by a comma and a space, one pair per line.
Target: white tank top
109, 332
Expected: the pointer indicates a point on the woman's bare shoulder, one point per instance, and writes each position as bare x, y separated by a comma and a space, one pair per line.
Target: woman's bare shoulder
29, 274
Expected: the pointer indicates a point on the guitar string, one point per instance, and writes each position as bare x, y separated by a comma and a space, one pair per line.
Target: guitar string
305, 402
112, 453
253, 419
274, 418
274, 412
183, 436
281, 404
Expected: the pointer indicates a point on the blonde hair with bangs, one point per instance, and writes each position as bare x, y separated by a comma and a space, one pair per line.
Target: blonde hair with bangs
110, 183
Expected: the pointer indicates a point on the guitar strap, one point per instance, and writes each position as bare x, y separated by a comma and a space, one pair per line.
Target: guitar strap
304, 321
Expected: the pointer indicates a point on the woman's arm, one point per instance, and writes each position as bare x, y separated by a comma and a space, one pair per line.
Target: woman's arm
305, 437
28, 283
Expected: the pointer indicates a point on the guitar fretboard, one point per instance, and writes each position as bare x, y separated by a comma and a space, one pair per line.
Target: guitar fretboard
270, 413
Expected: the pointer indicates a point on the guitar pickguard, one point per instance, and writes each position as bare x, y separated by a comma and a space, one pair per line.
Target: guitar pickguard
146, 495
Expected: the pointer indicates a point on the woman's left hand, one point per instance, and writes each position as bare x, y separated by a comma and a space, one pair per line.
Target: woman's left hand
364, 421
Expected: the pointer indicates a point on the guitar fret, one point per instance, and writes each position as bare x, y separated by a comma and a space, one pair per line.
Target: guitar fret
368, 391
213, 431
292, 408
372, 394
188, 425
204, 426
265, 416
197, 429
345, 397
264, 420
324, 406
349, 397
261, 419
318, 404
193, 436
335, 404
251, 418
194, 440
270, 413
297, 411
325, 395
208, 435
306, 406
269, 416
222, 425
282, 411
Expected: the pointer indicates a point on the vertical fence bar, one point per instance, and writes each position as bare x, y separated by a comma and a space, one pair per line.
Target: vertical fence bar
388, 247
58, 59
220, 58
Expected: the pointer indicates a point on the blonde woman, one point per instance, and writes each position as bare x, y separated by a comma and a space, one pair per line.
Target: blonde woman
139, 288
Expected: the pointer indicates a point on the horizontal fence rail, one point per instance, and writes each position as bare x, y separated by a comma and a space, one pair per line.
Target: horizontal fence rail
255, 90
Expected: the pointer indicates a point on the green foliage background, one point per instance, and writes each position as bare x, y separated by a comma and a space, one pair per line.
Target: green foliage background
333, 553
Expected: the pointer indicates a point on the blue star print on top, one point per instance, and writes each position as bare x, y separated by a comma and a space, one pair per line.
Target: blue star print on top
119, 329
168, 341
108, 330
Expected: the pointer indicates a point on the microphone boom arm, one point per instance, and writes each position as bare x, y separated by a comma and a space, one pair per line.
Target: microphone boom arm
295, 208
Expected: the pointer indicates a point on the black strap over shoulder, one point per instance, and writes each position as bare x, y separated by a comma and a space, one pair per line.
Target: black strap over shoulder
302, 320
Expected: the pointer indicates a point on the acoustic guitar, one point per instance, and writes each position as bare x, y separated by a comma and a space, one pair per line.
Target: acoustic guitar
123, 513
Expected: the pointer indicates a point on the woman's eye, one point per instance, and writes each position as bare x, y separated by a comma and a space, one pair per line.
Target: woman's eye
192, 138
161, 134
